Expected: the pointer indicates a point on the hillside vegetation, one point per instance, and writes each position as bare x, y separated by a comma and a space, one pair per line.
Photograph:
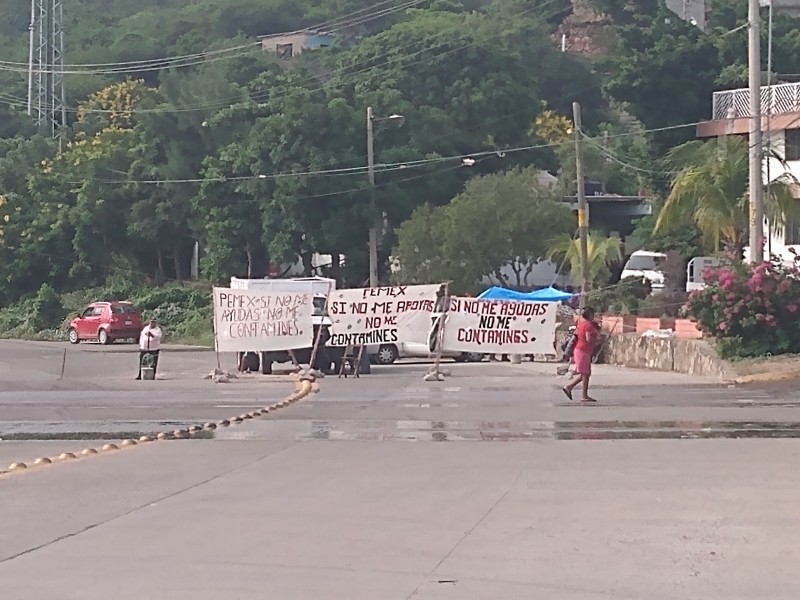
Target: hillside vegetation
262, 160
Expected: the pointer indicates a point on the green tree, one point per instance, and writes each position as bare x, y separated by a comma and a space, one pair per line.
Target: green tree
686, 240
164, 223
35, 237
604, 251
232, 223
99, 199
627, 12
278, 164
121, 196
655, 51
464, 82
497, 228
710, 190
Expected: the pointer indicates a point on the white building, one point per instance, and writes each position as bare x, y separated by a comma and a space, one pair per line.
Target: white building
781, 125
691, 11
287, 46
789, 7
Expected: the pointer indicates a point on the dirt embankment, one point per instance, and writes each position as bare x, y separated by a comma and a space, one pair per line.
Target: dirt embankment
768, 369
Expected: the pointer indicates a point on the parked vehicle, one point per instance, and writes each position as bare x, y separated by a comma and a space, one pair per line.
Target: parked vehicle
389, 353
695, 269
647, 265
106, 322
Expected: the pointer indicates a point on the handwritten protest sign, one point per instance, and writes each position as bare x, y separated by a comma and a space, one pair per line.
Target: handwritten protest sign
500, 327
382, 315
258, 321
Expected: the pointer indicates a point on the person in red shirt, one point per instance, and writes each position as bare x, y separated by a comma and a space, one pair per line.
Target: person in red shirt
587, 334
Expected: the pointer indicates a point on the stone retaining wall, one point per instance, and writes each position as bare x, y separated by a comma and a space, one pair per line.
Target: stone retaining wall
693, 357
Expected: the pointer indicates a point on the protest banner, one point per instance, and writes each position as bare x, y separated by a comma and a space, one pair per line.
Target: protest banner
500, 327
381, 315
246, 320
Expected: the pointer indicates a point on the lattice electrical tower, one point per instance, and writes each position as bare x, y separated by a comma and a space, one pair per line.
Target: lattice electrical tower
47, 101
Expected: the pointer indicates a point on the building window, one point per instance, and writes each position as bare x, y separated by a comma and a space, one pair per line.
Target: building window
792, 144
793, 230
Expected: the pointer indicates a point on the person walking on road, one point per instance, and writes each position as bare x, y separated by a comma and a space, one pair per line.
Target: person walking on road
587, 334
149, 343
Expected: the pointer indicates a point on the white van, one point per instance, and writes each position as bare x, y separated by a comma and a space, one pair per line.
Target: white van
696, 268
647, 265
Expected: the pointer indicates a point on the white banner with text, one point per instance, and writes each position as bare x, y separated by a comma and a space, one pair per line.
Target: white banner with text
381, 315
500, 326
246, 320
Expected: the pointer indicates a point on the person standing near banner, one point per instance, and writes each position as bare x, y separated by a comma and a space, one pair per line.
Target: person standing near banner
149, 343
586, 334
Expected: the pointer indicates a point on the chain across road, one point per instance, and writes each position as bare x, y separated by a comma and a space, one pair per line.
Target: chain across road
305, 384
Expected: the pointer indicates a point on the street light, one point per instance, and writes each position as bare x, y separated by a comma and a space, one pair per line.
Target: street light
373, 230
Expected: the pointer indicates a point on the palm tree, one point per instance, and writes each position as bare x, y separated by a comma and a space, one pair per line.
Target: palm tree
603, 251
710, 188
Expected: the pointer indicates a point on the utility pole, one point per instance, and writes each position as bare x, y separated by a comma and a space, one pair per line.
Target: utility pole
606, 160
756, 192
770, 108
373, 231
583, 213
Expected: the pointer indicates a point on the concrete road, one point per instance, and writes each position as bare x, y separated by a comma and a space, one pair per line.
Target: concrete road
488, 485
98, 392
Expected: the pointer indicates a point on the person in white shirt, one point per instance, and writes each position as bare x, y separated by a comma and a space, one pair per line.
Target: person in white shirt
149, 343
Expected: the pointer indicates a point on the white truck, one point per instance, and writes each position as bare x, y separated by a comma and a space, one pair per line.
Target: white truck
319, 287
695, 269
646, 265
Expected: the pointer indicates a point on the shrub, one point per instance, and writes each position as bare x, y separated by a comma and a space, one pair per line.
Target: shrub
19, 320
623, 298
184, 312
185, 297
48, 311
751, 310
17, 316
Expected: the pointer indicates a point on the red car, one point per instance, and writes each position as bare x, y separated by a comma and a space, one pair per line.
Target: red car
106, 322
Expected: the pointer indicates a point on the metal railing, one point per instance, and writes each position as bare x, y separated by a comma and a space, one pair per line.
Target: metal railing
775, 99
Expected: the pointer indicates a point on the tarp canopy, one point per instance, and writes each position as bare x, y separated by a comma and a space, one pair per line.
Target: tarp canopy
549, 294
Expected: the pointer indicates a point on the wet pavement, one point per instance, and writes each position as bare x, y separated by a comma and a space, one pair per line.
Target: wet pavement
97, 395
504, 431
97, 398
487, 485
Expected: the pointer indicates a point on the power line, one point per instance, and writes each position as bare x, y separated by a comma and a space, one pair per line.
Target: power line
336, 24
360, 170
428, 51
611, 156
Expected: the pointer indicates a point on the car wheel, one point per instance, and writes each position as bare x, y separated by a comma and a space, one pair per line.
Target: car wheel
73, 336
461, 358
103, 338
387, 354
474, 357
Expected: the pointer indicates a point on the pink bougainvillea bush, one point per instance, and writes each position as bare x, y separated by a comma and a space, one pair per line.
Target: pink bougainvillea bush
751, 310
